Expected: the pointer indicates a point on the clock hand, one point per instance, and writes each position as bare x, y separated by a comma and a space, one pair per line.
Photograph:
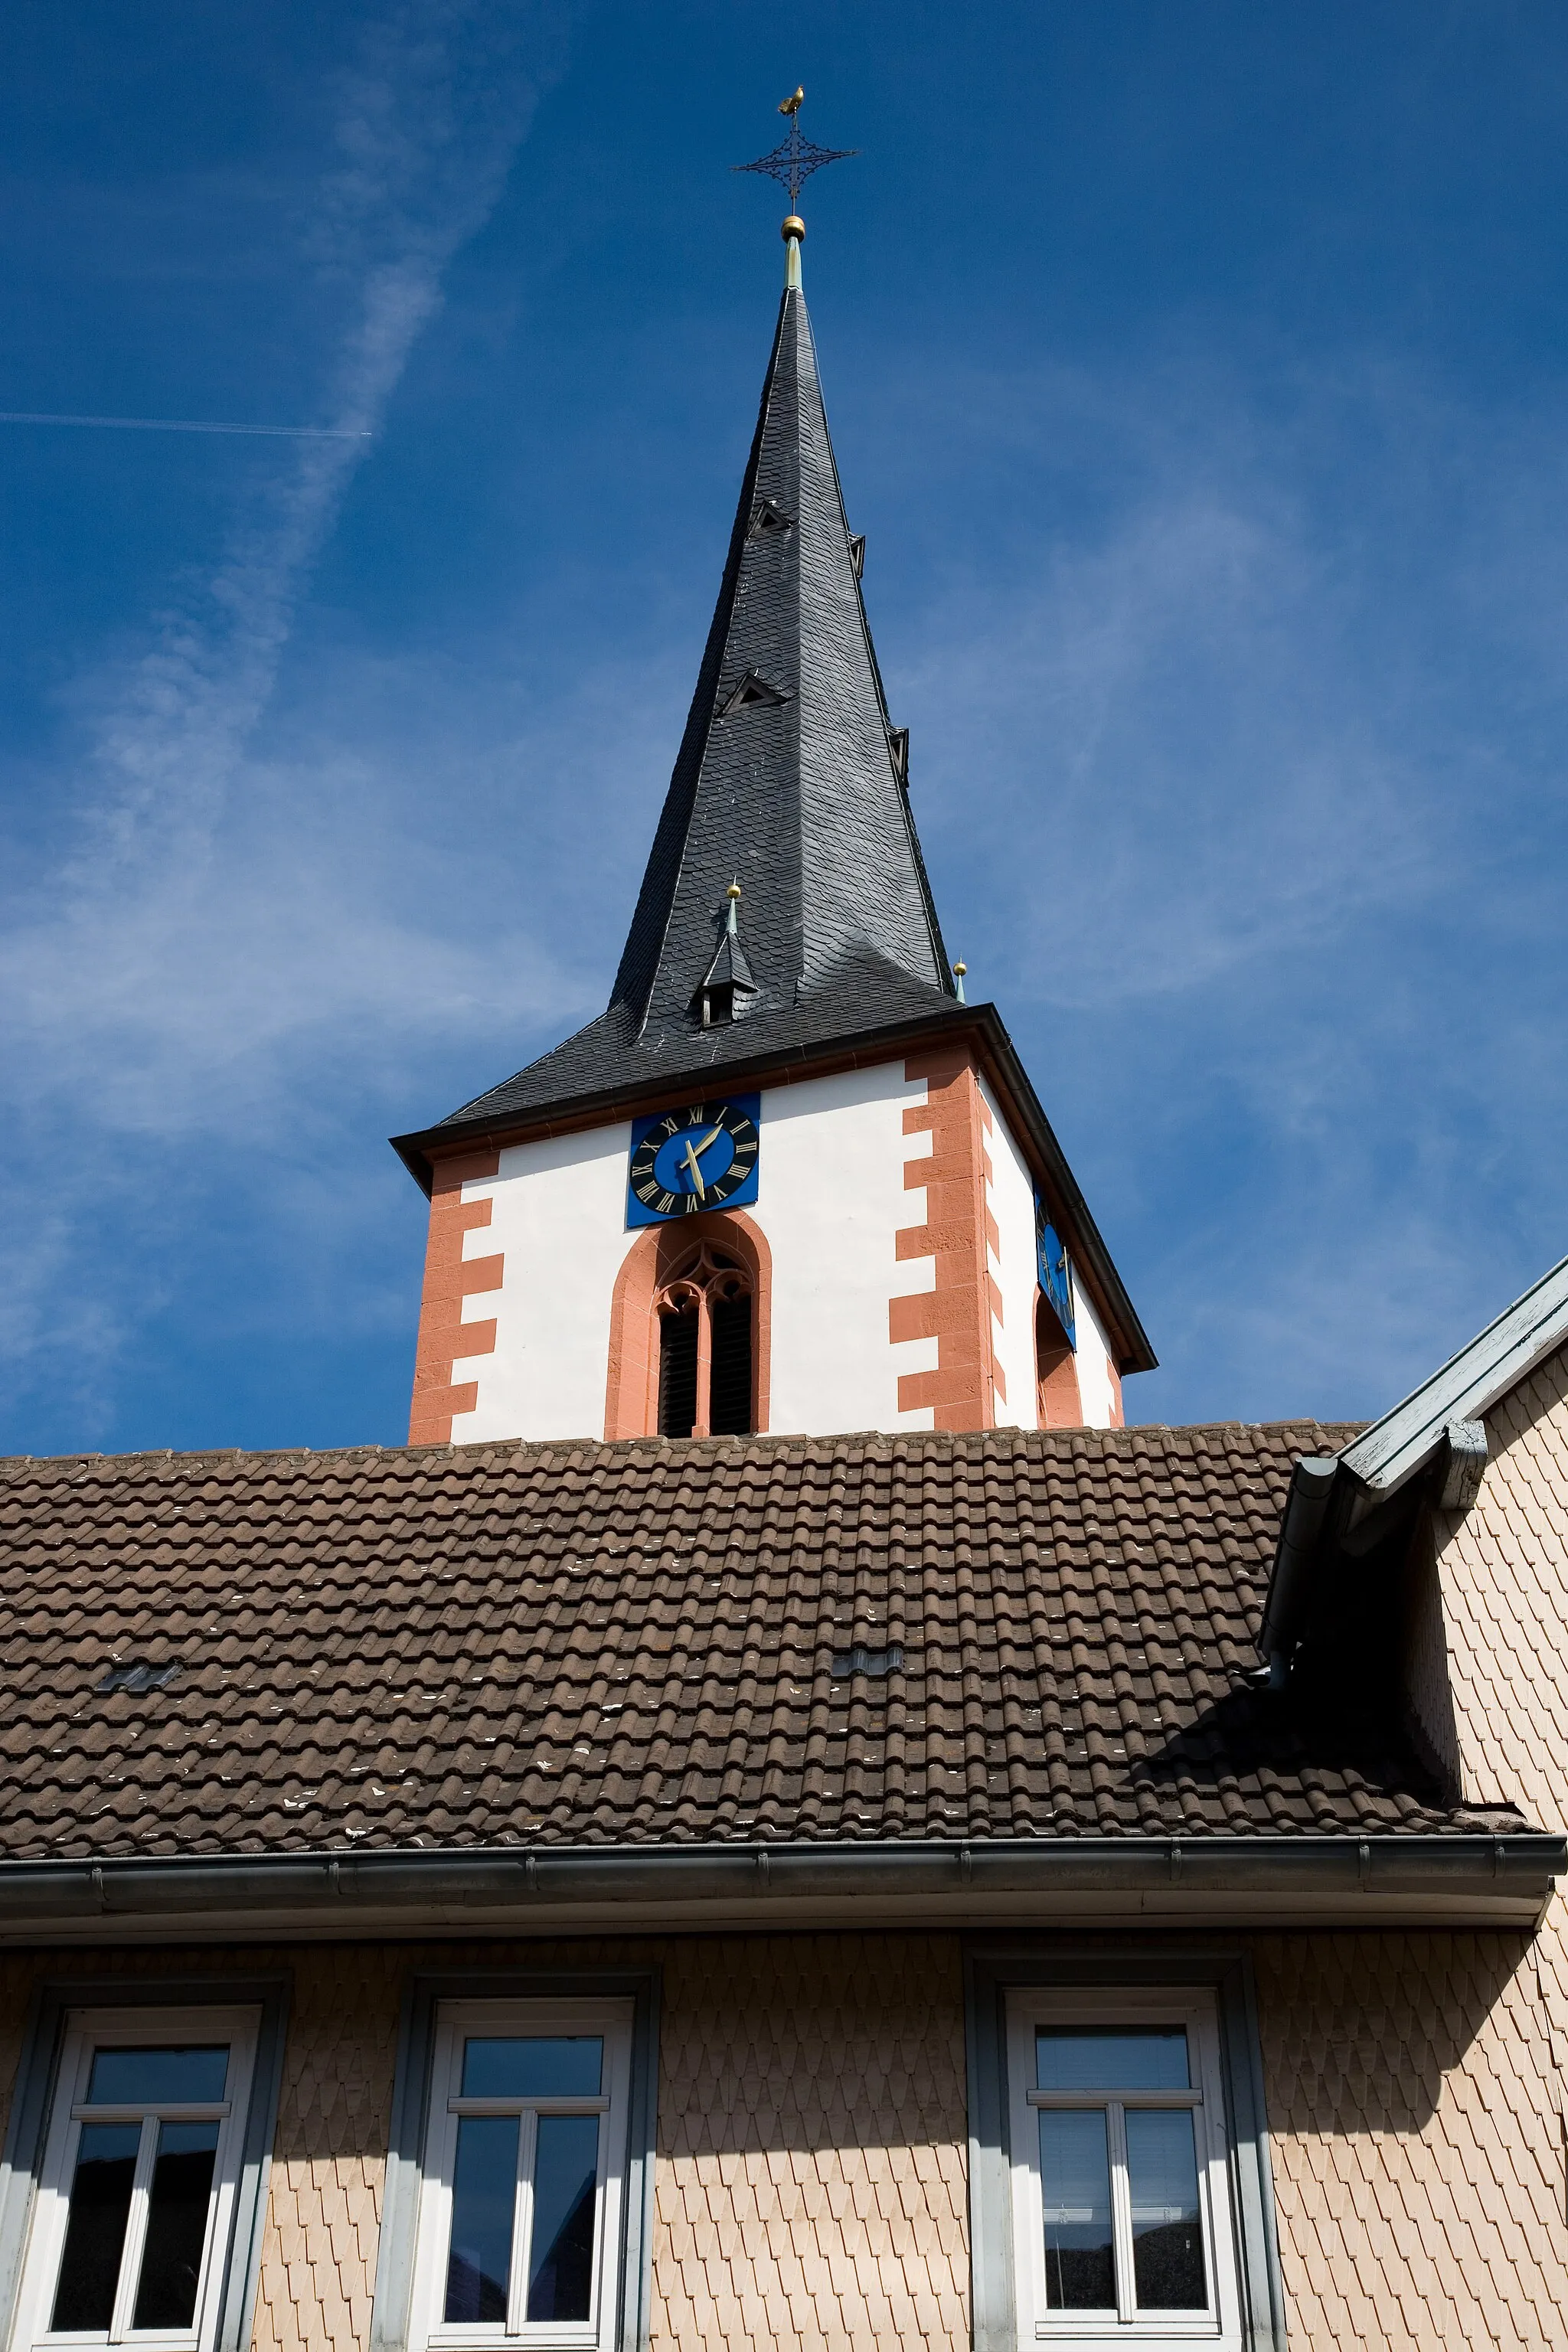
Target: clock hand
712, 1137
696, 1172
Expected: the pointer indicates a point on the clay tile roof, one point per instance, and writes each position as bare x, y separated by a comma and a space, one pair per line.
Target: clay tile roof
571, 1643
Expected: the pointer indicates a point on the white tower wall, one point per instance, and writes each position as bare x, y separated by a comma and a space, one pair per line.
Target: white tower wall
834, 1198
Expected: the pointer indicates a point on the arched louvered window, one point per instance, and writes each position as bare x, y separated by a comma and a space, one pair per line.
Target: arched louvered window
706, 1383
1056, 1367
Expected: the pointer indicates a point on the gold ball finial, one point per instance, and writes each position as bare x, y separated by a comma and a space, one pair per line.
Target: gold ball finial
794, 226
961, 969
733, 892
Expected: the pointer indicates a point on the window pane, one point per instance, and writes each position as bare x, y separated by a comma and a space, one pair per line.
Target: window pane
484, 2200
95, 2232
1074, 2185
534, 2067
560, 2256
1088, 2058
176, 2225
153, 2078
1167, 2236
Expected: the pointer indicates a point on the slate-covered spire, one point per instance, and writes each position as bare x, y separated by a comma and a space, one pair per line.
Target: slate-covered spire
789, 781
789, 775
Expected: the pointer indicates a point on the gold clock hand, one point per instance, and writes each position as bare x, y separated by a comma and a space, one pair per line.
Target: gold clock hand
712, 1137
696, 1172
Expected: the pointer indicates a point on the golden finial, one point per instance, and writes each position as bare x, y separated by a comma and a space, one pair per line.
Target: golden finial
958, 972
792, 162
733, 892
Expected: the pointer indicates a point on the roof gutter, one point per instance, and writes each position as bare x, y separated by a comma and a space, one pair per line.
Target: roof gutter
573, 1113
1452, 1877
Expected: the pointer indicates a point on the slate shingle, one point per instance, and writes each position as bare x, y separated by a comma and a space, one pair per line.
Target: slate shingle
798, 795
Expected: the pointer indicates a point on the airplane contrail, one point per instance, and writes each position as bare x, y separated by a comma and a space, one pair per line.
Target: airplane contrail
186, 425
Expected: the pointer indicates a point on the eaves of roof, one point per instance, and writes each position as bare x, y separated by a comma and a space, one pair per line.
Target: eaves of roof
982, 1023
1452, 1879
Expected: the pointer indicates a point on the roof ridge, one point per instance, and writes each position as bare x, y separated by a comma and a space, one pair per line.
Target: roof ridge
681, 1448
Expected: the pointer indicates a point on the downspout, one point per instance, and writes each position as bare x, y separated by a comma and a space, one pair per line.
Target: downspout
1300, 1532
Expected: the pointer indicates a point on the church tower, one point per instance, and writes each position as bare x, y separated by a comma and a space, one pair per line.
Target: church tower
788, 1180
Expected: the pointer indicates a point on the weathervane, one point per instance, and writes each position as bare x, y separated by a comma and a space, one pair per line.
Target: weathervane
792, 162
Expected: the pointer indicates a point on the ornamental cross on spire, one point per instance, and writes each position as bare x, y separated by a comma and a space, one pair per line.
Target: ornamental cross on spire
794, 159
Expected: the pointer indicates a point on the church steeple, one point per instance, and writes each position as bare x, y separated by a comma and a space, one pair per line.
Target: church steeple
788, 1178
790, 774
790, 779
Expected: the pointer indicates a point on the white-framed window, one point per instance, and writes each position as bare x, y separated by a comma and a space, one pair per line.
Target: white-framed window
132, 2222
523, 2185
1121, 2220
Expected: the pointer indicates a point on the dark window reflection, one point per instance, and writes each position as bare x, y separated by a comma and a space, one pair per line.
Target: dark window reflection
1074, 2182
95, 2232
176, 2225
157, 2078
1167, 2235
561, 2254
532, 2067
484, 2200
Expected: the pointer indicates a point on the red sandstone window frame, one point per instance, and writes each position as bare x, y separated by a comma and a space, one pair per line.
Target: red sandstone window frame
650, 1265
1060, 1399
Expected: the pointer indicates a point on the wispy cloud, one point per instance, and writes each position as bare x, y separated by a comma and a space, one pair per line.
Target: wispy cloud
189, 425
430, 117
1262, 865
175, 941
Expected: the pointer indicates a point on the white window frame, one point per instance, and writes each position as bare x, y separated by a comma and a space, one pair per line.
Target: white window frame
455, 2021
1220, 2325
86, 2030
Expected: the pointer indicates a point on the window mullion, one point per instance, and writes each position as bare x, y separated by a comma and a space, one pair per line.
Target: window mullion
136, 2232
702, 1425
522, 2222
1121, 2209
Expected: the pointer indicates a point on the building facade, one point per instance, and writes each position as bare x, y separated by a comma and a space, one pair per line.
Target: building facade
781, 1823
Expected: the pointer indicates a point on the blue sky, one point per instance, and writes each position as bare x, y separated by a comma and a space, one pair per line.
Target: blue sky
1199, 375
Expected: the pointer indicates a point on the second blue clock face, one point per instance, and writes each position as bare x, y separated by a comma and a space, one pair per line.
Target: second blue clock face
687, 1161
1056, 1272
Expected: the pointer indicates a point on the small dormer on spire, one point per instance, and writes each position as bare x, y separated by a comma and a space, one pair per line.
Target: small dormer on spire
727, 981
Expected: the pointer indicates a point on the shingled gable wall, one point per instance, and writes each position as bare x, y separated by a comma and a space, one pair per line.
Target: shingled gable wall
1488, 1662
810, 2185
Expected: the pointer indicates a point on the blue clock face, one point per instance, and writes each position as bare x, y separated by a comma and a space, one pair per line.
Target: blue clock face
683, 1161
1056, 1272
